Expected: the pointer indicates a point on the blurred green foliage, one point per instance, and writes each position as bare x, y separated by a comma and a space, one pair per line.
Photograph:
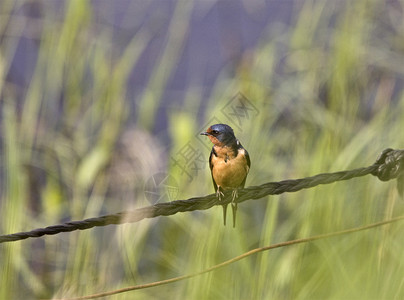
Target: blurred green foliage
68, 152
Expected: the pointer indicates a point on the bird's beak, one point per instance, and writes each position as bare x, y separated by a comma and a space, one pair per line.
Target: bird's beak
204, 133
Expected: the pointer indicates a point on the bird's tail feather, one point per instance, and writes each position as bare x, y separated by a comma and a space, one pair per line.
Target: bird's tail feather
234, 209
224, 214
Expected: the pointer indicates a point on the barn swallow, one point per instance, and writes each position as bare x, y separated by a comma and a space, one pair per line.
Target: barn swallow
229, 164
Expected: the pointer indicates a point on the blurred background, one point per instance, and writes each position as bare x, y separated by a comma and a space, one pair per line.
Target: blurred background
101, 106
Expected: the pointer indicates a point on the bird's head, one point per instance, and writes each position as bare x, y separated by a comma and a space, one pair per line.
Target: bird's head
220, 135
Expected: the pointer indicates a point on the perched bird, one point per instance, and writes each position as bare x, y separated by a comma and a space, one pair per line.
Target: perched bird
229, 163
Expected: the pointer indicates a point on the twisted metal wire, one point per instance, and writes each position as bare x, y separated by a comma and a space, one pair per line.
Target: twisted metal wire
389, 165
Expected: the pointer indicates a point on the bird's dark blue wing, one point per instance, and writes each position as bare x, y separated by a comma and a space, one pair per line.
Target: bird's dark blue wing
247, 157
211, 167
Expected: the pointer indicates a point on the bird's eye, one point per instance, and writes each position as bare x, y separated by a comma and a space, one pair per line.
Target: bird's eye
215, 132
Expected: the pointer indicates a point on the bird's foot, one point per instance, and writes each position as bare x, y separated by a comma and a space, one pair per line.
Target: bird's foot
219, 194
234, 195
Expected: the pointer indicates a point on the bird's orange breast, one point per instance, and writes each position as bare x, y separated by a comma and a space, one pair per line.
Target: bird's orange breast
229, 171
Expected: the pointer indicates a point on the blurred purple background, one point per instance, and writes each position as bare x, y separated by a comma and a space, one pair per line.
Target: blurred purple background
219, 36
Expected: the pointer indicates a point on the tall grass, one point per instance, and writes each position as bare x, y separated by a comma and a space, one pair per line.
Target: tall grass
327, 94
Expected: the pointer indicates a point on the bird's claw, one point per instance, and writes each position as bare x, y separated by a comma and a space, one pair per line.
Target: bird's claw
234, 195
219, 194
